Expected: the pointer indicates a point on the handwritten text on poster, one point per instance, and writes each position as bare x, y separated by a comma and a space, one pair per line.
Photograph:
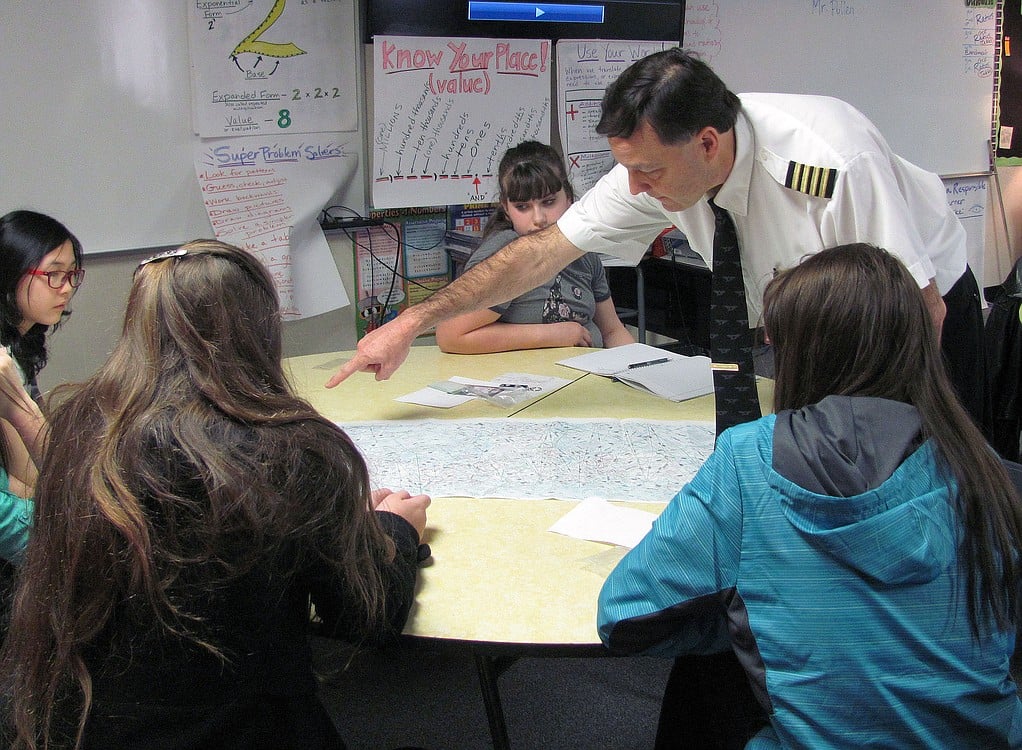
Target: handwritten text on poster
445, 110
585, 67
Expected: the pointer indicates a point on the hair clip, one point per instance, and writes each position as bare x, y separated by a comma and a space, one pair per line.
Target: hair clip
175, 253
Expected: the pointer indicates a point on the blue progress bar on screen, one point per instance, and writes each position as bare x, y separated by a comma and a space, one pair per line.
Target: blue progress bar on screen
479, 11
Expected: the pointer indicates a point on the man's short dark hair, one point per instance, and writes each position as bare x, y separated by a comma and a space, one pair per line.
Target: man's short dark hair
672, 90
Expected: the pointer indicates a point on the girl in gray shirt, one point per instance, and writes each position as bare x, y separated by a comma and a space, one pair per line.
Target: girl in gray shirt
572, 309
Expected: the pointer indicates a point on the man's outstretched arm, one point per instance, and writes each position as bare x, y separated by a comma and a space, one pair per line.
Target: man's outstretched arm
523, 265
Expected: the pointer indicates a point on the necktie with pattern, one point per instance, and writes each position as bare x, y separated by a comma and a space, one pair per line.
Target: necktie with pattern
734, 377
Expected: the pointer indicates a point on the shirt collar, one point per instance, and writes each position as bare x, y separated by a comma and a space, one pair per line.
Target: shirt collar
734, 193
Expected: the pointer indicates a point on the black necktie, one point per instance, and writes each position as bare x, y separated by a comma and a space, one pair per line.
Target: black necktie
734, 377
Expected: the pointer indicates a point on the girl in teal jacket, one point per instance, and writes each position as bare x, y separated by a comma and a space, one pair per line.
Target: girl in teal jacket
858, 550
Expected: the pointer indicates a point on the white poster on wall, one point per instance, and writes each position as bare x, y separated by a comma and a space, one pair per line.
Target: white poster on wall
584, 69
968, 196
265, 195
446, 110
273, 66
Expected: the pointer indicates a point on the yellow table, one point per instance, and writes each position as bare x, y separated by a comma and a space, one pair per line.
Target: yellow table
362, 397
498, 581
480, 544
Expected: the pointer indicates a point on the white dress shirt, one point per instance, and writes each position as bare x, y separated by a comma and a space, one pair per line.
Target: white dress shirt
874, 196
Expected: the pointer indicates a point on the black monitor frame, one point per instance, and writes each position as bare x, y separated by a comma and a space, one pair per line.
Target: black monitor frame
644, 20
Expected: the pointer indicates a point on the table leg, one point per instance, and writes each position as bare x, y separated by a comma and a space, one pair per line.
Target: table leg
489, 669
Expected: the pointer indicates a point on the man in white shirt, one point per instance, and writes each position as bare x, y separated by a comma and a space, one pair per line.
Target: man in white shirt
795, 173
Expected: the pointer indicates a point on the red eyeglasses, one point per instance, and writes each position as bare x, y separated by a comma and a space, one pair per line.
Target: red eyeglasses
57, 279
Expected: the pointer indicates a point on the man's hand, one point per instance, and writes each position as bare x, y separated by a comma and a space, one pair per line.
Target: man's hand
523, 265
381, 351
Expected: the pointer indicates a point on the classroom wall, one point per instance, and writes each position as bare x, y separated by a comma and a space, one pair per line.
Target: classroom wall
84, 341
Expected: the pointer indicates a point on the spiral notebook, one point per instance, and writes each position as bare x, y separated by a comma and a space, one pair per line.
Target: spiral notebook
658, 371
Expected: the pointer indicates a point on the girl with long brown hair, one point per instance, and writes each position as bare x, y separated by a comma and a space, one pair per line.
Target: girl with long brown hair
858, 549
188, 509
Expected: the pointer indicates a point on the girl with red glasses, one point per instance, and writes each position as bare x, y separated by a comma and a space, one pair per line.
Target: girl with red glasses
40, 268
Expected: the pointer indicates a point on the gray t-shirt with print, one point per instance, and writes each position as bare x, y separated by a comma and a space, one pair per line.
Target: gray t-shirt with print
571, 295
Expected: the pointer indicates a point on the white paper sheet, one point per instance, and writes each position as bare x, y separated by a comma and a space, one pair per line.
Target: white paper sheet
533, 385
599, 521
433, 397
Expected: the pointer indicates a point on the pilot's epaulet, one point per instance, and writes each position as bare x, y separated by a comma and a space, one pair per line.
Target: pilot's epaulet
816, 181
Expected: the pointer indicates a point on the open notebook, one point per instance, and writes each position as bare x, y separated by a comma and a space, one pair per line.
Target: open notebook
662, 373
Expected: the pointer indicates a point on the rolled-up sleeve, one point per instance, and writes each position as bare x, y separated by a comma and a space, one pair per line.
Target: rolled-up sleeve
609, 219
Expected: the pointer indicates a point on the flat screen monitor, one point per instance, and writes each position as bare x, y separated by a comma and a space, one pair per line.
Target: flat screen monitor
652, 20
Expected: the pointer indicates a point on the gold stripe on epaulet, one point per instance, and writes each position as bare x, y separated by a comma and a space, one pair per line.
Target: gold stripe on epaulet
817, 181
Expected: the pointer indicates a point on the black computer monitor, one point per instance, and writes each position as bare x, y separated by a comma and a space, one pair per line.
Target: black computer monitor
645, 20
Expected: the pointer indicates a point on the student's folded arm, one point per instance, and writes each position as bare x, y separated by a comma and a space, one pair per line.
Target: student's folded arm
334, 604
611, 328
400, 573
479, 333
22, 472
666, 596
455, 336
341, 609
23, 415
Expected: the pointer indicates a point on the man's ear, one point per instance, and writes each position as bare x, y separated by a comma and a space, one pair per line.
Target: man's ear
709, 141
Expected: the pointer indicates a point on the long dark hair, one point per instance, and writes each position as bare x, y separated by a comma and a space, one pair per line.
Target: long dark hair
26, 237
674, 91
527, 172
182, 464
851, 321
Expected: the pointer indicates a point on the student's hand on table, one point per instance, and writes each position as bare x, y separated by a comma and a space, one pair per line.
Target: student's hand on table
410, 507
572, 333
381, 351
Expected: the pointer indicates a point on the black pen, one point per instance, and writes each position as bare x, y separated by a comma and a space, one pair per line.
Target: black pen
651, 362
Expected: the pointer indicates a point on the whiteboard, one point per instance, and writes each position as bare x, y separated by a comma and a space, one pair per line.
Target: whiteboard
97, 128
921, 71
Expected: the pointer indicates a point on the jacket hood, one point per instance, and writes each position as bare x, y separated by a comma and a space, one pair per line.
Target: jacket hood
854, 475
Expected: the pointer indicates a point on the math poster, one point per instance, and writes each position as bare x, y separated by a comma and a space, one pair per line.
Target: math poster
264, 196
446, 110
584, 69
273, 66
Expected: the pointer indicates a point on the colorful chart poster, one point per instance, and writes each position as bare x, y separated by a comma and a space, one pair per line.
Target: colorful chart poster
469, 219
398, 264
446, 110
